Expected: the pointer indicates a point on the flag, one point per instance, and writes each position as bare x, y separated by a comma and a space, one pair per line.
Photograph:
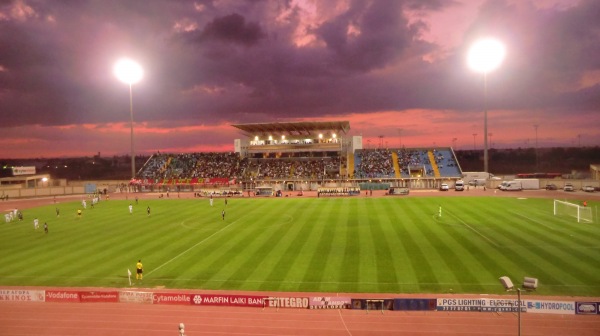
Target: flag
129, 276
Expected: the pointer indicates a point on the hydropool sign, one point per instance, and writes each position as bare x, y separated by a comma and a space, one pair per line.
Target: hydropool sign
550, 307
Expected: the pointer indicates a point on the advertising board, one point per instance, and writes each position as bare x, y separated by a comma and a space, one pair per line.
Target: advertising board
287, 302
550, 307
62, 296
415, 304
329, 302
22, 295
481, 305
171, 298
228, 300
135, 297
99, 296
587, 308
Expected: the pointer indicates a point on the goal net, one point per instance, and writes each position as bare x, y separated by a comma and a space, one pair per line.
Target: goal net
564, 208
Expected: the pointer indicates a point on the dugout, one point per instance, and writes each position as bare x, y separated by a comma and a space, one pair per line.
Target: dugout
338, 191
373, 186
263, 191
398, 191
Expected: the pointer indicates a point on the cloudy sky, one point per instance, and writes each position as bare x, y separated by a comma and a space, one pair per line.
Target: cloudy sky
393, 68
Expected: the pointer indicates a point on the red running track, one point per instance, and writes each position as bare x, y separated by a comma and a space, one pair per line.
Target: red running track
95, 319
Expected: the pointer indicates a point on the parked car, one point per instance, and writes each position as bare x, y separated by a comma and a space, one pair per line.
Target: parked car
588, 188
568, 187
551, 186
444, 187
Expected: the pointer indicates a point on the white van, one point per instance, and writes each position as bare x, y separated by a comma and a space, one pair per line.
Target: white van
513, 186
459, 185
477, 182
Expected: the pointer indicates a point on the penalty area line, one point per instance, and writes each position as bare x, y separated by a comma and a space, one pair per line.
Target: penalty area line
473, 229
189, 249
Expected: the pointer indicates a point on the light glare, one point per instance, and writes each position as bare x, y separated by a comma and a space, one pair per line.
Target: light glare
128, 71
486, 55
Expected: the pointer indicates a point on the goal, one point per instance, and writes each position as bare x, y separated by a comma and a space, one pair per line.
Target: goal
564, 208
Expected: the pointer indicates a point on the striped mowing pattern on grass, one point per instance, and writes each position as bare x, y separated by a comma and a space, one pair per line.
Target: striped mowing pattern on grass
356, 244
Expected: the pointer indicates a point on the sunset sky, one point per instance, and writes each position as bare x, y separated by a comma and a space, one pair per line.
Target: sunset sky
393, 68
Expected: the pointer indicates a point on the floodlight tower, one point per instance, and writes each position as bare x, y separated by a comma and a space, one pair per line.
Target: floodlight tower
129, 72
484, 56
536, 147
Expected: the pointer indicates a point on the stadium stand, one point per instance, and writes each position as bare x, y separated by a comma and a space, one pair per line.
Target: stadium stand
290, 153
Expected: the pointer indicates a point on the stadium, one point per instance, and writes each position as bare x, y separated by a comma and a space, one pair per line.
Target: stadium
300, 230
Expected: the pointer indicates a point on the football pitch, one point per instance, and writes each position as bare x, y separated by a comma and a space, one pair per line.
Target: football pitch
352, 244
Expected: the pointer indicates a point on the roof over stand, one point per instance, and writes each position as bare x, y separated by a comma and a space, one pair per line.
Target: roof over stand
294, 128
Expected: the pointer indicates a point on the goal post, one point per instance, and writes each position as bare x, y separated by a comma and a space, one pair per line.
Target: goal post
564, 208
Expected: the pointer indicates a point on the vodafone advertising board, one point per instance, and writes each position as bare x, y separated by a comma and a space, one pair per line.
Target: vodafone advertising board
61, 296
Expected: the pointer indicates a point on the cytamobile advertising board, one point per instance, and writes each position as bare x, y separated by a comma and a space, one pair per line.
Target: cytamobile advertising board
171, 298
61, 296
228, 300
550, 307
22, 295
99, 296
135, 297
329, 302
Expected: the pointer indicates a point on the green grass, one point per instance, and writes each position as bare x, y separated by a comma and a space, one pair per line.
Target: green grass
359, 244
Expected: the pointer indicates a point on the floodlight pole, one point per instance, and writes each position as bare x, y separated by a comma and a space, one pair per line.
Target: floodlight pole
131, 124
485, 124
129, 72
519, 309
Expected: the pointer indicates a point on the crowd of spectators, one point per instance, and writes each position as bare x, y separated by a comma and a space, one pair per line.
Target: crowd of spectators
271, 168
193, 165
374, 163
154, 167
412, 158
230, 165
370, 163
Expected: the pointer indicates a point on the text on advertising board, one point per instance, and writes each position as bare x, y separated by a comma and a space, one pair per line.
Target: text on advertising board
329, 302
171, 298
22, 295
98, 296
285, 302
228, 300
62, 296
